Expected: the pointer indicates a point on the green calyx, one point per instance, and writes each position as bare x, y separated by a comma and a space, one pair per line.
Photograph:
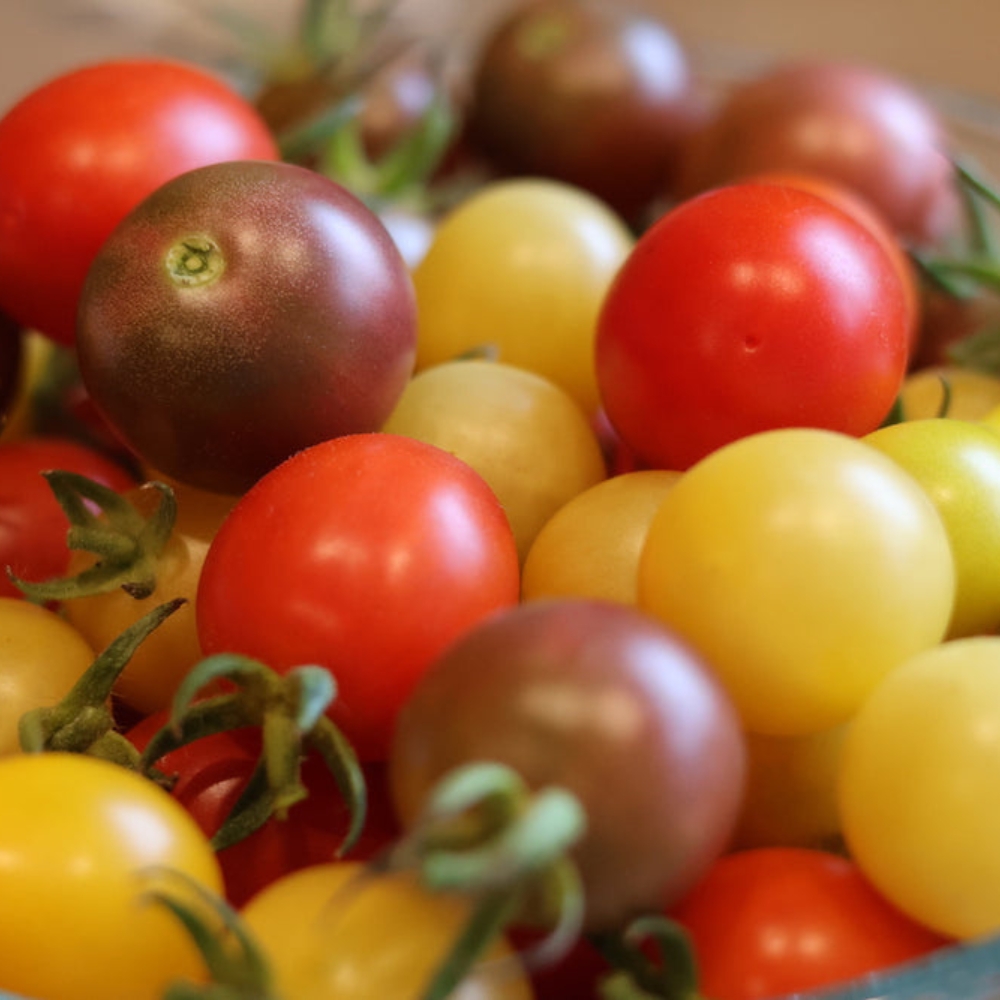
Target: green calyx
290, 711
486, 836
126, 543
82, 722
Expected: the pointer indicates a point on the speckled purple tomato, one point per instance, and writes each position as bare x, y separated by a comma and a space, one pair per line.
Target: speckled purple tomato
592, 92
242, 312
603, 701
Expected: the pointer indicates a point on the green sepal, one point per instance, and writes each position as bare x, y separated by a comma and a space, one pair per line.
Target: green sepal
237, 965
671, 975
82, 720
126, 543
290, 711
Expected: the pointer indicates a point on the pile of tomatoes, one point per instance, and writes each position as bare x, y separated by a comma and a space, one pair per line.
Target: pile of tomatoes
613, 567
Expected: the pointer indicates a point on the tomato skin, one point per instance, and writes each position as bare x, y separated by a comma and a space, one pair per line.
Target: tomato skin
76, 835
776, 921
750, 307
79, 152
594, 94
297, 324
805, 566
32, 524
919, 768
595, 697
366, 554
851, 124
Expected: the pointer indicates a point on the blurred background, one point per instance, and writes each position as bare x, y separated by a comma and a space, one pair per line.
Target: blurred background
937, 44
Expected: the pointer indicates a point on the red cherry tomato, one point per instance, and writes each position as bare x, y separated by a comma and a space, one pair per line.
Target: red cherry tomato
79, 152
366, 554
750, 307
774, 921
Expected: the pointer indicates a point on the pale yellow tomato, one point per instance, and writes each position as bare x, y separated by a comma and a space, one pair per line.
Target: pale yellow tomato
969, 395
591, 546
41, 657
804, 565
522, 266
334, 933
521, 432
791, 792
918, 787
957, 462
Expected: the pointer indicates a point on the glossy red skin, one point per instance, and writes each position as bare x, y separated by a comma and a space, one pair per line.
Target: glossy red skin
851, 124
750, 307
211, 773
368, 555
81, 151
308, 333
598, 699
32, 524
771, 922
594, 94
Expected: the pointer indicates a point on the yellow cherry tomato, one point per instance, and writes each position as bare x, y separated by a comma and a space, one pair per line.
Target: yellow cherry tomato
957, 462
970, 394
591, 546
918, 787
804, 565
80, 840
333, 932
791, 791
41, 657
522, 266
521, 432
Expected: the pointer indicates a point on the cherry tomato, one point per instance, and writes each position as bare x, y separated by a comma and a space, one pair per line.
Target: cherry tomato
81, 841
751, 307
776, 921
81, 151
366, 554
337, 932
596, 94
957, 462
804, 565
854, 124
521, 267
525, 435
599, 699
591, 546
920, 766
41, 658
241, 312
32, 524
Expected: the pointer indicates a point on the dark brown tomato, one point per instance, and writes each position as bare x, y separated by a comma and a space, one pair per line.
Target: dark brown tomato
599, 699
594, 93
855, 125
11, 349
243, 312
